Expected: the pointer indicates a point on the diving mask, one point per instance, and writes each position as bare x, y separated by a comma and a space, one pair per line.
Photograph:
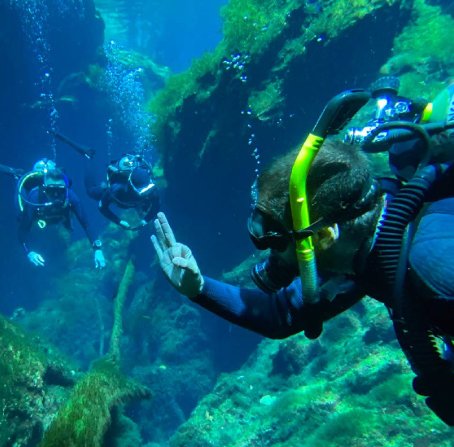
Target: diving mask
267, 233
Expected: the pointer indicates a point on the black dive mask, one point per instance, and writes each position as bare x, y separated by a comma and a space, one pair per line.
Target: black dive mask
275, 272
267, 233
56, 194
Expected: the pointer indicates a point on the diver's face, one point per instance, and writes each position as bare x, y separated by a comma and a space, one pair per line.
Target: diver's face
288, 255
55, 193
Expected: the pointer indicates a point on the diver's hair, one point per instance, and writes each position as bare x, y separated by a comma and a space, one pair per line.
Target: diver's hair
340, 185
54, 177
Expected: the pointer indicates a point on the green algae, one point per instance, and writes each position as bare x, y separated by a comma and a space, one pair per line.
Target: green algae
361, 397
86, 417
120, 298
255, 68
34, 378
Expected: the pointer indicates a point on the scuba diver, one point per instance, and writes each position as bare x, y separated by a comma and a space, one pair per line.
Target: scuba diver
335, 234
45, 197
129, 185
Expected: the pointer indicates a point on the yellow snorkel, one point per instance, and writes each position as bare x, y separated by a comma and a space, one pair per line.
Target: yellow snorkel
336, 114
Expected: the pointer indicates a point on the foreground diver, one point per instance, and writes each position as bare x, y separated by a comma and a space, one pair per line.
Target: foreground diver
365, 242
45, 197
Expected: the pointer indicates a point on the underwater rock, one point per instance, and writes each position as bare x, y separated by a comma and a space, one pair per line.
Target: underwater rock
359, 397
293, 356
89, 413
35, 382
86, 417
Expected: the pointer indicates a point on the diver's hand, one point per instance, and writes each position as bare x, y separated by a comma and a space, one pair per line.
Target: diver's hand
176, 260
100, 261
36, 259
124, 224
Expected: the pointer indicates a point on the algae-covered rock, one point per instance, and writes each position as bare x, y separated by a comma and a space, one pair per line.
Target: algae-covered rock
35, 381
86, 417
92, 411
326, 393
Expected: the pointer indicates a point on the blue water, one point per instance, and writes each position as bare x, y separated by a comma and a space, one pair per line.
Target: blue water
38, 65
64, 69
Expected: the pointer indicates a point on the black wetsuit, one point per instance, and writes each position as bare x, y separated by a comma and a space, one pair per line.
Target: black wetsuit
281, 314
51, 214
123, 196
428, 286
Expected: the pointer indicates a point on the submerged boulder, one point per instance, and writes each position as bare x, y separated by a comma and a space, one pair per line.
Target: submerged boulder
35, 381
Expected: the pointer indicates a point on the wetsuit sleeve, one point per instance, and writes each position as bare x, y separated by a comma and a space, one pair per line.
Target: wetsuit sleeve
25, 224
153, 207
94, 189
276, 315
104, 208
12, 172
26, 219
77, 209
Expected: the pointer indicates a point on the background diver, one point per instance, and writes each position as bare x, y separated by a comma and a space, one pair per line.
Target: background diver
45, 197
129, 185
359, 239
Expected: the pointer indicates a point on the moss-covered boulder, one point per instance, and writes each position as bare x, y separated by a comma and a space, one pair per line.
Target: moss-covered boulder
342, 389
35, 382
86, 417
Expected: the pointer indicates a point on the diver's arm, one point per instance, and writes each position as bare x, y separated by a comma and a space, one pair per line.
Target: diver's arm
152, 207
274, 315
25, 224
104, 208
267, 314
26, 219
24, 228
95, 242
13, 172
277, 315
78, 210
